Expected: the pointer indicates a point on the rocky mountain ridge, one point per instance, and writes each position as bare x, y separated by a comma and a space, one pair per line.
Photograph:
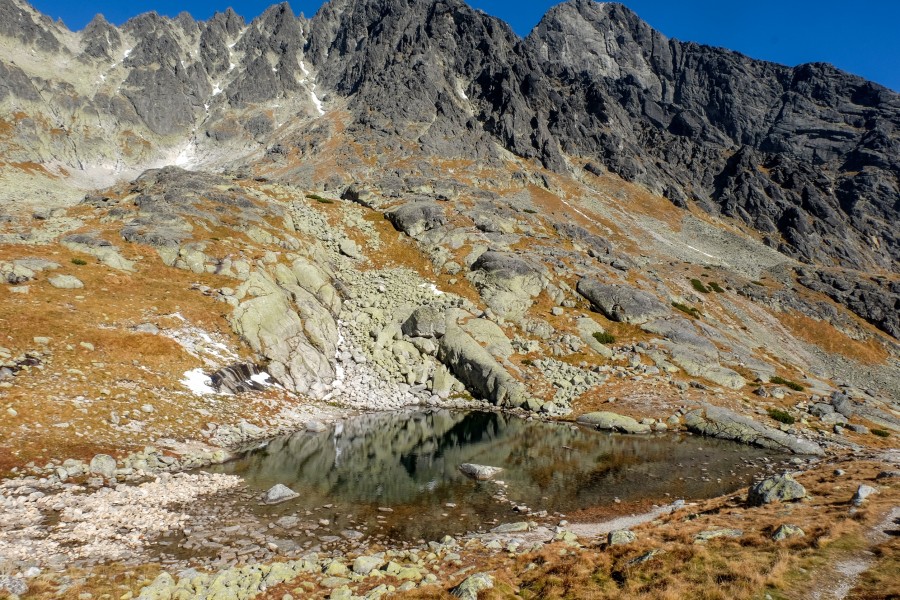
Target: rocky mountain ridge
806, 156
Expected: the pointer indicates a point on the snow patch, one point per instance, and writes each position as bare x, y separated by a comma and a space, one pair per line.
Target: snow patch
317, 102
262, 378
198, 382
434, 289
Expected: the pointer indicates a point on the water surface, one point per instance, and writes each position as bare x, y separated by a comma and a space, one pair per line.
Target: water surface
407, 462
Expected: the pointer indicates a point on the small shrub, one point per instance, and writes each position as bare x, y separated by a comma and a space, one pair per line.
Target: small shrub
881, 433
698, 285
781, 416
787, 383
79, 261
604, 338
687, 309
320, 199
530, 211
527, 362
759, 283
716, 287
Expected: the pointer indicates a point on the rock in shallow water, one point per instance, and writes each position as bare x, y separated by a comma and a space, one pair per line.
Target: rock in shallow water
614, 422
280, 493
479, 472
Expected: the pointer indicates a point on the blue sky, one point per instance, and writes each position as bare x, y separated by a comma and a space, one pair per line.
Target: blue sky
862, 37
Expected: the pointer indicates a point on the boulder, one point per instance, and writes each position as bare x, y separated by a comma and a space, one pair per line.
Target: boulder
363, 565
279, 493
507, 283
66, 282
863, 492
587, 327
780, 488
729, 425
472, 585
491, 336
415, 218
787, 531
480, 372
479, 472
613, 422
620, 537
710, 534
620, 302
103, 465
425, 322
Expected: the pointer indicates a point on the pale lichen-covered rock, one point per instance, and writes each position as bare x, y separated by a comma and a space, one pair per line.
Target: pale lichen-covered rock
104, 465
296, 335
426, 322
786, 531
587, 327
729, 425
66, 282
480, 372
614, 422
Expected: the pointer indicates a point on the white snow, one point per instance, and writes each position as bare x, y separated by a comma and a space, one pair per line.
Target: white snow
261, 378
216, 90
198, 382
303, 68
434, 289
317, 102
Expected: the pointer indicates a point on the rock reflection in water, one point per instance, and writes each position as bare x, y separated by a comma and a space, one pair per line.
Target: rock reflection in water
410, 460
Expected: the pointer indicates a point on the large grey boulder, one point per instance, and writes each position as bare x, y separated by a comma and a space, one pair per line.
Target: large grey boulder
426, 322
620, 302
613, 422
415, 218
507, 283
729, 425
780, 488
480, 372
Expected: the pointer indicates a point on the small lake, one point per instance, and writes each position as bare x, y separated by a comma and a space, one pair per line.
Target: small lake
395, 475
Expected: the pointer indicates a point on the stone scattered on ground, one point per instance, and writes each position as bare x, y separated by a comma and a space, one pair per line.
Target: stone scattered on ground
620, 537
863, 492
787, 531
710, 534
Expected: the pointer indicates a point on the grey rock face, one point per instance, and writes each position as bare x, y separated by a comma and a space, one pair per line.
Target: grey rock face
427, 322
622, 302
781, 488
66, 282
727, 424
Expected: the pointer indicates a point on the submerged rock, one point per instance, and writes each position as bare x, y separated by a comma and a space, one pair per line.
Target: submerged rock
479, 472
782, 488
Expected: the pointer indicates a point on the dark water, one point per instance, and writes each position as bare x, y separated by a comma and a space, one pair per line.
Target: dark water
407, 461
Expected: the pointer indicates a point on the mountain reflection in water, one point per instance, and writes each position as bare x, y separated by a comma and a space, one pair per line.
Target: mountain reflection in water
410, 459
